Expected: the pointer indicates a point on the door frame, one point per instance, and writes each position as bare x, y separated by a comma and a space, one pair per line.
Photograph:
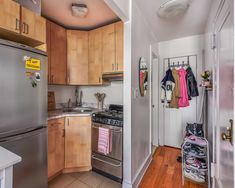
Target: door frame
154, 114
223, 11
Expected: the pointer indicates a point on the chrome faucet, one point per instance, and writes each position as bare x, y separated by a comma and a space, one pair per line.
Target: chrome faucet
80, 98
76, 95
69, 103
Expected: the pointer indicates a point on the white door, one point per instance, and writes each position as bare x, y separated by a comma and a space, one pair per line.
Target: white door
175, 120
224, 97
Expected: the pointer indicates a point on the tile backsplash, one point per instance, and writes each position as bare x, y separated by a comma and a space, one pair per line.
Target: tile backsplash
114, 93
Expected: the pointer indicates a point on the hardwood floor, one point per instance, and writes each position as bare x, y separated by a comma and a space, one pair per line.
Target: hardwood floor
164, 171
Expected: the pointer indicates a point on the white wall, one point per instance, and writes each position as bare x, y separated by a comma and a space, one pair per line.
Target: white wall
173, 48
114, 93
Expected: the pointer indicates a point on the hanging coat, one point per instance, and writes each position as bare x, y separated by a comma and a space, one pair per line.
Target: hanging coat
167, 86
183, 100
176, 92
191, 84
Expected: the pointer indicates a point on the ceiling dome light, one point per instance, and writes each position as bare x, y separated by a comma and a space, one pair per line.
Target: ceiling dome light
173, 8
79, 10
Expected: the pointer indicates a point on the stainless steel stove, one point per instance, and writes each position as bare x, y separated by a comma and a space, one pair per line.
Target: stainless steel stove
110, 165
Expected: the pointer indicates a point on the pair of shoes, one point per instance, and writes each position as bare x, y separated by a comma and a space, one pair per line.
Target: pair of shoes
194, 150
196, 140
196, 164
195, 175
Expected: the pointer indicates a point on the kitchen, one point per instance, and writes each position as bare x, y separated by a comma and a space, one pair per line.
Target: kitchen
70, 81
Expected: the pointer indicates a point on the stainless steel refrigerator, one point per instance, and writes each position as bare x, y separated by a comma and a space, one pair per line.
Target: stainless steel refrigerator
23, 111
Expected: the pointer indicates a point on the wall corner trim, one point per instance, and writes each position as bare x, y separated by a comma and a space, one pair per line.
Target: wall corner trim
140, 174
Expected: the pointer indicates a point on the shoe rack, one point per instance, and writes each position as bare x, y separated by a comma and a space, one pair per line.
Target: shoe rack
185, 155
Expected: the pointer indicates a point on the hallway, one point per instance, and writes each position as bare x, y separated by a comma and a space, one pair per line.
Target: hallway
164, 171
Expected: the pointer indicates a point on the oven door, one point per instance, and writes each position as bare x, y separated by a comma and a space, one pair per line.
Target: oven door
116, 140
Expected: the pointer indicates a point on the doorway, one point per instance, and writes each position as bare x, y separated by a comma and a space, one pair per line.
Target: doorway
154, 80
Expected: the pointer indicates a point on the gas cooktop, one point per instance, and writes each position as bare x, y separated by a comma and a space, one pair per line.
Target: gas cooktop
113, 116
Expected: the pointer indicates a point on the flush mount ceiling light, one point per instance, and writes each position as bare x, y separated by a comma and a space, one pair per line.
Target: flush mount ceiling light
79, 10
173, 8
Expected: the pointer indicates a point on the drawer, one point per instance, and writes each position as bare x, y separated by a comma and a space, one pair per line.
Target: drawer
56, 124
107, 165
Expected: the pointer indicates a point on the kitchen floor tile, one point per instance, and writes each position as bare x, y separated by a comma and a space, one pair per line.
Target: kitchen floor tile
92, 179
78, 184
110, 184
77, 174
61, 181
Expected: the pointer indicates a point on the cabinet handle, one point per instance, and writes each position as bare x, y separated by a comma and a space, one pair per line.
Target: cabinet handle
68, 121
112, 66
23, 25
99, 79
17, 25
27, 28
117, 66
63, 133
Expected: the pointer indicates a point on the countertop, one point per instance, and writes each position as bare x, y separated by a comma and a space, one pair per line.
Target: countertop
55, 114
8, 158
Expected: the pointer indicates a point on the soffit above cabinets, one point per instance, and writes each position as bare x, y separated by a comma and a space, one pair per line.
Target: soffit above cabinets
60, 12
193, 22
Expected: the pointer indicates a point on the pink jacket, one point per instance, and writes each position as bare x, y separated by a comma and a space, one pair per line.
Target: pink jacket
183, 100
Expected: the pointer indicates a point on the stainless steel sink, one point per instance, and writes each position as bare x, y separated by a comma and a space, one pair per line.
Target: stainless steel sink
77, 109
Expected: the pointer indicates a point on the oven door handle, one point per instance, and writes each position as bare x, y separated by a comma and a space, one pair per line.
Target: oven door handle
106, 161
113, 130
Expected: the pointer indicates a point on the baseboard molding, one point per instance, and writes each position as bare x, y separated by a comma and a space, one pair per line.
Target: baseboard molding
141, 171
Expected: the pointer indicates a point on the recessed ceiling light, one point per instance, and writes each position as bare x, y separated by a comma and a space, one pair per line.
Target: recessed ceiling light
79, 10
173, 8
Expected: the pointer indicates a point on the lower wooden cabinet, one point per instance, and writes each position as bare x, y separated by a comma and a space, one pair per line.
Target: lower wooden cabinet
56, 145
78, 142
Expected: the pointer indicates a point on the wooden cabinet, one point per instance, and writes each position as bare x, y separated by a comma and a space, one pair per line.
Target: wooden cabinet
109, 48
77, 57
33, 26
78, 142
56, 145
113, 48
10, 15
119, 28
95, 57
57, 53
21, 25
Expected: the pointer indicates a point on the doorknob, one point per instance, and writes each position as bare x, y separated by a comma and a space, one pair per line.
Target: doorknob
229, 135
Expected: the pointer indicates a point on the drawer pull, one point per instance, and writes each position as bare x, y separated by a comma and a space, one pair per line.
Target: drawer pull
115, 165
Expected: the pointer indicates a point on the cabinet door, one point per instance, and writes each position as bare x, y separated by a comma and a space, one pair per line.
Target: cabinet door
33, 26
109, 48
10, 16
78, 142
119, 46
56, 146
77, 67
57, 55
95, 57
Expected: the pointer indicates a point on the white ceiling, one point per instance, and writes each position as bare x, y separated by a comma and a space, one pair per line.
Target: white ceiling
191, 23
60, 12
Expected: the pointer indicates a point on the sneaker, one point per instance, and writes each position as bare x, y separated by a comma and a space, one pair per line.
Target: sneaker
196, 140
196, 166
195, 176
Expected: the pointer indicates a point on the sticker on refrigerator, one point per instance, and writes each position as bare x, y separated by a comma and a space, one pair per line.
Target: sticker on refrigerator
33, 64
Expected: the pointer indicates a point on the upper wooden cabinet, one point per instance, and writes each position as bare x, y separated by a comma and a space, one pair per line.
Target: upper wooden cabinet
119, 46
21, 25
56, 146
109, 48
95, 57
113, 48
77, 57
33, 26
57, 54
78, 142
10, 15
